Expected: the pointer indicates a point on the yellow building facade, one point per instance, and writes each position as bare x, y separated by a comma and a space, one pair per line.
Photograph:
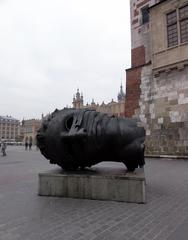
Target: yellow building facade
113, 107
29, 129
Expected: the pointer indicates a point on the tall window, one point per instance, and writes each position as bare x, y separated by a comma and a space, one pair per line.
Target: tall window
145, 14
172, 29
183, 16
177, 26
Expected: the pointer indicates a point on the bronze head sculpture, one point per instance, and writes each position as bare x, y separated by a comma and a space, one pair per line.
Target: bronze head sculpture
81, 138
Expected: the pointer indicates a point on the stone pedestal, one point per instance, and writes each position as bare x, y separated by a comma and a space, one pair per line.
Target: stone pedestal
98, 183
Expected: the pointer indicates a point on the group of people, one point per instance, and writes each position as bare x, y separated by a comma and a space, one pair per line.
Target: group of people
28, 145
3, 147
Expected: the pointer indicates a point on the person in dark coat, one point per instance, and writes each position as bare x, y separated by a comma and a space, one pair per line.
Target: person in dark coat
26, 145
3, 148
30, 145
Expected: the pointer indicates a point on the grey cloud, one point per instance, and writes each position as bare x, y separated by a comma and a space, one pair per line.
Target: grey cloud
49, 48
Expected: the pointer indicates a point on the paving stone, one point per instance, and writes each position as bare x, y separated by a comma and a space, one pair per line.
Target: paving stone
25, 215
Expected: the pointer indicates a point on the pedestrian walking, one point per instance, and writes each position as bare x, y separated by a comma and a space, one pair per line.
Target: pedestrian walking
30, 145
26, 145
3, 148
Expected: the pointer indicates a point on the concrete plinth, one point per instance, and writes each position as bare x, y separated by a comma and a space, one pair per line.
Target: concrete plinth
97, 183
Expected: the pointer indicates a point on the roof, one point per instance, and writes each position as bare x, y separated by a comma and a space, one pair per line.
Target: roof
8, 118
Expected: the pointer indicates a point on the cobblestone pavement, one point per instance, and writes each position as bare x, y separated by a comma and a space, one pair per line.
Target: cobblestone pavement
26, 216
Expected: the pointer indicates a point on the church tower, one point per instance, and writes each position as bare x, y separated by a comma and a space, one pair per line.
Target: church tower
78, 101
121, 95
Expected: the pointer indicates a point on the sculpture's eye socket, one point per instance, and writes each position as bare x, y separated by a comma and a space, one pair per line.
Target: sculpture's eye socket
68, 123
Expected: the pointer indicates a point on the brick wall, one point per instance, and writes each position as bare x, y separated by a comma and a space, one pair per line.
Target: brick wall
133, 81
132, 90
138, 56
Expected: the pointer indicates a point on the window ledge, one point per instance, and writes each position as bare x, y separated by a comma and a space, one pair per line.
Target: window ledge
170, 48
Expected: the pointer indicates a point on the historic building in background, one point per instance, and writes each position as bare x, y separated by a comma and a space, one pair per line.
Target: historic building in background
116, 108
9, 129
157, 82
29, 130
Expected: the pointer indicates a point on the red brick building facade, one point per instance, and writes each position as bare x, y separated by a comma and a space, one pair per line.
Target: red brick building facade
139, 53
157, 82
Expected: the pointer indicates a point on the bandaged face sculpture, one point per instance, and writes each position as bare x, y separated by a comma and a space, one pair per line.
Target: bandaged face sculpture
76, 139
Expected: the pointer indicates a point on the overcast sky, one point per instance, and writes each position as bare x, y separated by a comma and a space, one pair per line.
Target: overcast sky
48, 49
